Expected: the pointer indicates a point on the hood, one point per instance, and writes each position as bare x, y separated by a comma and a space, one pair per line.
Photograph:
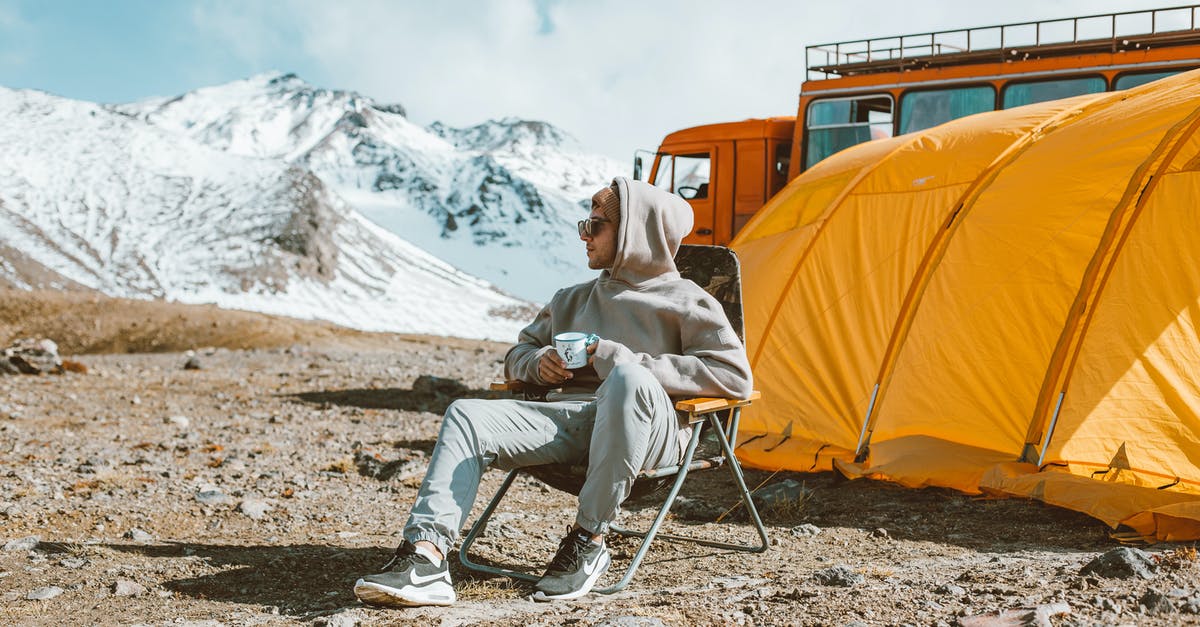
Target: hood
653, 223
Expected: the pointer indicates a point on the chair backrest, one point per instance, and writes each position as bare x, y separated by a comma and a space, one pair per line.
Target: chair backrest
716, 269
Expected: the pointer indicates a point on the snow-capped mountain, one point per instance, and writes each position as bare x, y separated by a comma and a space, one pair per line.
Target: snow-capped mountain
98, 198
274, 195
498, 200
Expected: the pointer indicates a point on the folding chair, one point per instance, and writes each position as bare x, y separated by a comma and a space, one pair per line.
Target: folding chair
715, 269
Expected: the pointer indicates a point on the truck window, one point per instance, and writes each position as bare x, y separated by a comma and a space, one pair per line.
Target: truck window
920, 110
1125, 81
835, 124
1017, 94
664, 175
686, 175
779, 173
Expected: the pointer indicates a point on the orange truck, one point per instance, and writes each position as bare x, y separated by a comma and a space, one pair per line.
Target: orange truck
862, 90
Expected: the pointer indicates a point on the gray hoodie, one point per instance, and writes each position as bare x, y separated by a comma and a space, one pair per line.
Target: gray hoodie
643, 311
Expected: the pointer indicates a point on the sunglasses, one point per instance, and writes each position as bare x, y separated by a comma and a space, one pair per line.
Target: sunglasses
590, 226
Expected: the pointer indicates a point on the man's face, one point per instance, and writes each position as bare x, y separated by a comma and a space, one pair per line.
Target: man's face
602, 243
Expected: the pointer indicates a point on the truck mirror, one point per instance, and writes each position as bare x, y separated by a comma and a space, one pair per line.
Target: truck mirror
637, 167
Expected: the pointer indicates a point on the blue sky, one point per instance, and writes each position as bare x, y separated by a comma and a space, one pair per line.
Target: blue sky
616, 74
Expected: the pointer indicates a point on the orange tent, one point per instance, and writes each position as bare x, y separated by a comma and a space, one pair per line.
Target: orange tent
1008, 303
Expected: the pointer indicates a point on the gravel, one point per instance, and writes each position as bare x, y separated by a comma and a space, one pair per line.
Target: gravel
292, 469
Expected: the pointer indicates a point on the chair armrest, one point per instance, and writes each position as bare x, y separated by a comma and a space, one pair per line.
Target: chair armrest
696, 406
511, 385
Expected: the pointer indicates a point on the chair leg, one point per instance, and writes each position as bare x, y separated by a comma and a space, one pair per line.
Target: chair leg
478, 528
735, 470
648, 535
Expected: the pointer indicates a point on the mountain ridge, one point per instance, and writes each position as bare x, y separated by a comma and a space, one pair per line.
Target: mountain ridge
139, 201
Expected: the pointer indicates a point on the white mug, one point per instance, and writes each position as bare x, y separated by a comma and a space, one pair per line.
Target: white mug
572, 347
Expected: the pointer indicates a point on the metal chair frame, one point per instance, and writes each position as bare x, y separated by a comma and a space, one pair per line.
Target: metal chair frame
726, 435
700, 411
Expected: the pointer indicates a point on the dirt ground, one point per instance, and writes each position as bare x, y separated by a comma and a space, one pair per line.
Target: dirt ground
255, 490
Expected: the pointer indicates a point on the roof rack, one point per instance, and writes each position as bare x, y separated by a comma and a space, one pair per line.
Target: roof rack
1109, 32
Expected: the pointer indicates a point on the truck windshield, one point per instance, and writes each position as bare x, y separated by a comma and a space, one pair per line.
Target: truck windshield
686, 175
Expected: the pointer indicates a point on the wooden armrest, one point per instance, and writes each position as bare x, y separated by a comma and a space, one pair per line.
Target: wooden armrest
709, 405
511, 385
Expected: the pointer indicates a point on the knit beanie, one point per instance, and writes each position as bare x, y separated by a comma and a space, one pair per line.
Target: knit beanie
609, 204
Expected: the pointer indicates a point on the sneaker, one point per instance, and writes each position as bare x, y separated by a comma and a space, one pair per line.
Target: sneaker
414, 577
576, 567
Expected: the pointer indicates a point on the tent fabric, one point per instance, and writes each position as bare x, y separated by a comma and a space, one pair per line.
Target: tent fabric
1014, 286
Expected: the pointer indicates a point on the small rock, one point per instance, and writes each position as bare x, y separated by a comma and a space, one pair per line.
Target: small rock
840, 576
31, 356
1156, 602
73, 562
1032, 616
806, 530
128, 588
27, 543
254, 509
631, 621
1122, 563
44, 594
211, 497
738, 581
341, 619
788, 491
137, 535
192, 363
951, 589
880, 533
179, 421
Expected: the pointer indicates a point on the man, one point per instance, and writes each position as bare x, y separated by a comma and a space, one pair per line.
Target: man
661, 337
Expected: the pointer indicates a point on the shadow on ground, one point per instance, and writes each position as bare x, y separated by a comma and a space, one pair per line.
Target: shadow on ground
304, 579
390, 398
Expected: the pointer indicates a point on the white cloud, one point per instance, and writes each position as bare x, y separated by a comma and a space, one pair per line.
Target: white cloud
618, 75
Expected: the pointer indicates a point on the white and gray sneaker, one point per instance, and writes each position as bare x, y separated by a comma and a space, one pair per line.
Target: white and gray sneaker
575, 569
414, 577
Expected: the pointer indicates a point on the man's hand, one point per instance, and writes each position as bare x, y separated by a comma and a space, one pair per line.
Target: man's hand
552, 369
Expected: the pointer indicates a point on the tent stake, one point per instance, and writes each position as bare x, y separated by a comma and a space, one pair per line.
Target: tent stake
1050, 431
862, 435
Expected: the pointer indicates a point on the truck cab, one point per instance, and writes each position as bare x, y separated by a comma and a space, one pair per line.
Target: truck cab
725, 171
859, 91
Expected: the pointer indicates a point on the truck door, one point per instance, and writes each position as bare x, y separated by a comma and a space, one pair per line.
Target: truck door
689, 172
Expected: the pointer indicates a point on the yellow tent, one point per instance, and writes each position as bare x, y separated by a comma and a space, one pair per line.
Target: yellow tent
1007, 303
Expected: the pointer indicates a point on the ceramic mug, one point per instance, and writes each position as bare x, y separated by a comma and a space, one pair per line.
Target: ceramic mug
572, 348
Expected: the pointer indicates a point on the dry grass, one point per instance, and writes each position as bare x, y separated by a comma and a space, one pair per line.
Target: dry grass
1179, 558
344, 465
497, 588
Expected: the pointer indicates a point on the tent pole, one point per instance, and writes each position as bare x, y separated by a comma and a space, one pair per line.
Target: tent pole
1050, 430
862, 435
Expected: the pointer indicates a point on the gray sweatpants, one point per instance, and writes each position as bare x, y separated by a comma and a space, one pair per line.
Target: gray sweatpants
630, 426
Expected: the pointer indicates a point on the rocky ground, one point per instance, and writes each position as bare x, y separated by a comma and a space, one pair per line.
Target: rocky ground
257, 487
